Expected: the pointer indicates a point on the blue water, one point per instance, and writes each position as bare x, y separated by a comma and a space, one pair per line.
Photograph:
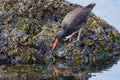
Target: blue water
109, 10
111, 74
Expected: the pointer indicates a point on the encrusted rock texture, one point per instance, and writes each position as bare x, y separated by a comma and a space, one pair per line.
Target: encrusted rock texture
28, 29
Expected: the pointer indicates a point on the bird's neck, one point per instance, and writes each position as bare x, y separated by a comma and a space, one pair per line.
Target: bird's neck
62, 35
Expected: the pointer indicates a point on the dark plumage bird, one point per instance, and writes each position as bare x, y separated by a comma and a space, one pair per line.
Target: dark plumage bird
72, 22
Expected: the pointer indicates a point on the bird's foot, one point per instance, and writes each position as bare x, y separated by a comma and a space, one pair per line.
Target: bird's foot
68, 37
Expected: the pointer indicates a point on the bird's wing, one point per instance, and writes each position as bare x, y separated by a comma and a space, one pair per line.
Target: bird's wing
68, 19
74, 20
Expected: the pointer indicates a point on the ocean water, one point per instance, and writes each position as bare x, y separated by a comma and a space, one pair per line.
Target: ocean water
111, 74
109, 10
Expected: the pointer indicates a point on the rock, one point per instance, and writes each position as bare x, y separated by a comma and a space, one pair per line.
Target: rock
28, 29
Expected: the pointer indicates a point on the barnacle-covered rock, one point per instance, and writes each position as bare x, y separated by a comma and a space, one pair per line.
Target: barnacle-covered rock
28, 29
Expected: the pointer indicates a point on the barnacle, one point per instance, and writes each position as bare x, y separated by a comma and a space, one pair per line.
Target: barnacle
78, 59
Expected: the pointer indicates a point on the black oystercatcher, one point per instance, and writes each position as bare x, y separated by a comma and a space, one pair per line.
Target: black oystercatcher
72, 22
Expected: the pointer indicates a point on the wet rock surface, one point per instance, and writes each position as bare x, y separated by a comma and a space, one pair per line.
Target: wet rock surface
28, 30
67, 70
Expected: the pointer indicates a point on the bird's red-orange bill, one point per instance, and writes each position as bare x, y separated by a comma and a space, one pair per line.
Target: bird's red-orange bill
55, 44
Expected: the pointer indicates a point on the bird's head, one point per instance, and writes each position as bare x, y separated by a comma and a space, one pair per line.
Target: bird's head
60, 35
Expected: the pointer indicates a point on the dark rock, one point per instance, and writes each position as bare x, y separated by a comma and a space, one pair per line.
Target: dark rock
29, 28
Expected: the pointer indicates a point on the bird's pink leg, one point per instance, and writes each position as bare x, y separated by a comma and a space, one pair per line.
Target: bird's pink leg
78, 37
70, 36
79, 32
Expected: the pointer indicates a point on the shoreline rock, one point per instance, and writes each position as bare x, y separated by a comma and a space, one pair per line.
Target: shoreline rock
28, 29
